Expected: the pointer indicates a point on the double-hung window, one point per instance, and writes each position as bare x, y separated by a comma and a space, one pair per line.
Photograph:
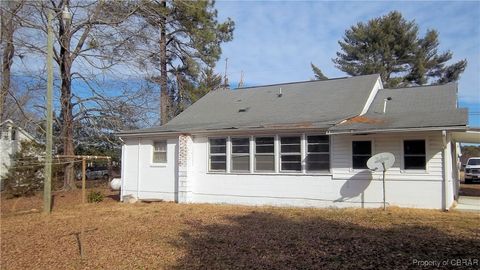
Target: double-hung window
414, 157
159, 152
240, 154
318, 153
264, 154
218, 154
361, 152
290, 154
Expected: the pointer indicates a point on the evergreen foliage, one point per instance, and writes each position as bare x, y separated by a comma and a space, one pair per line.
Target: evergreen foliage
390, 46
25, 175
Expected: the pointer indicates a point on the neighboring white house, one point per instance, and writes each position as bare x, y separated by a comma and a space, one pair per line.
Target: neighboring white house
302, 144
11, 136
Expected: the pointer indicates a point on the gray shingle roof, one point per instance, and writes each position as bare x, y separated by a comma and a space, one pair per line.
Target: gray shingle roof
413, 107
331, 104
318, 104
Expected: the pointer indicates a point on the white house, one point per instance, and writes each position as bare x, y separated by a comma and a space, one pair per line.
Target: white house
11, 136
302, 144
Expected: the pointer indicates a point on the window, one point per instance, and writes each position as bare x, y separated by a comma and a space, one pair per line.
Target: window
414, 154
265, 154
318, 153
159, 152
290, 154
361, 152
241, 154
218, 154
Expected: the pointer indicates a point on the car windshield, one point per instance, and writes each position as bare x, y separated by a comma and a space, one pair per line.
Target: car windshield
474, 161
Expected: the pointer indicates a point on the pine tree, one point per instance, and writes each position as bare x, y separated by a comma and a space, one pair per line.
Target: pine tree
318, 73
189, 41
390, 45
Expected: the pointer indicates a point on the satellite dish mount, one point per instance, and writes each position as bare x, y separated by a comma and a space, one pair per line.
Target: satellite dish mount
383, 162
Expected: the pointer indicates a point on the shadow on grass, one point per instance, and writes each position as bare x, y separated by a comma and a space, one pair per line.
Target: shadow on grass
268, 241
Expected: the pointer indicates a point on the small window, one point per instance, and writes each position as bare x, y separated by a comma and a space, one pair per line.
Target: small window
218, 154
265, 154
290, 154
318, 153
361, 152
241, 154
414, 154
159, 152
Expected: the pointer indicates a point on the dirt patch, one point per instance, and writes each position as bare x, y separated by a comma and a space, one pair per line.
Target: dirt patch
185, 236
469, 189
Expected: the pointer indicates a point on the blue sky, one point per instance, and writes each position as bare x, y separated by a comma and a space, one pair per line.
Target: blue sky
275, 41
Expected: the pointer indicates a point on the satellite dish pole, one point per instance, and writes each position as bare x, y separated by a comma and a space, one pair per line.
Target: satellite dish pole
381, 161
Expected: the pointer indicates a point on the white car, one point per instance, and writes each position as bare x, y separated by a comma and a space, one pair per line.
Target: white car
472, 170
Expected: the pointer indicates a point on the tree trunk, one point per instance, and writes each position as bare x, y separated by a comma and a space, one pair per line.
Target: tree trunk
7, 57
66, 103
164, 96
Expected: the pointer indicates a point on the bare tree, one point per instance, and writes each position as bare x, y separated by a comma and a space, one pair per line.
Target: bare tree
87, 47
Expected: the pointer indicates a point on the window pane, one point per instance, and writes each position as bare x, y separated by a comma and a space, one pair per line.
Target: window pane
159, 157
265, 163
219, 141
290, 148
291, 163
264, 140
218, 163
240, 163
295, 166
318, 157
360, 162
290, 140
264, 149
160, 146
317, 139
240, 149
414, 147
240, 141
318, 148
318, 166
361, 148
415, 162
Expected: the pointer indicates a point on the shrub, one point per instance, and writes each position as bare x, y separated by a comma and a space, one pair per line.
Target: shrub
25, 174
95, 197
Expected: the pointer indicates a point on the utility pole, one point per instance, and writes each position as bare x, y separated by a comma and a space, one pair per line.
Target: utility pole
47, 188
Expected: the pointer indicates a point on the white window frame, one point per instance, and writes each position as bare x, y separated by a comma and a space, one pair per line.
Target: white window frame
209, 155
372, 153
306, 153
402, 160
240, 154
301, 153
275, 168
161, 163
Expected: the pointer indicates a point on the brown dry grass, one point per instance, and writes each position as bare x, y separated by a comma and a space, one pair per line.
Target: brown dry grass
179, 236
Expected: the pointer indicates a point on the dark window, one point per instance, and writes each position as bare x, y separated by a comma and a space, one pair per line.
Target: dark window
361, 152
240, 154
265, 154
318, 153
290, 154
414, 154
218, 154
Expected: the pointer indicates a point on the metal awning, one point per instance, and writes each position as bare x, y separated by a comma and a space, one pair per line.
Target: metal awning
471, 135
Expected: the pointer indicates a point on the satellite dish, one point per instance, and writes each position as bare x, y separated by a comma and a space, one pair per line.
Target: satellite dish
381, 161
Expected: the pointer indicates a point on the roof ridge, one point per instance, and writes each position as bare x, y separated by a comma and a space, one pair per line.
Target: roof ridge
420, 86
306, 81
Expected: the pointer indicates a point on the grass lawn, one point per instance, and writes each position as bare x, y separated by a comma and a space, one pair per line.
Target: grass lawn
168, 235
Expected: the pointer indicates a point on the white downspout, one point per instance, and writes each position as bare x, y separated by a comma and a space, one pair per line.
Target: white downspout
445, 181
